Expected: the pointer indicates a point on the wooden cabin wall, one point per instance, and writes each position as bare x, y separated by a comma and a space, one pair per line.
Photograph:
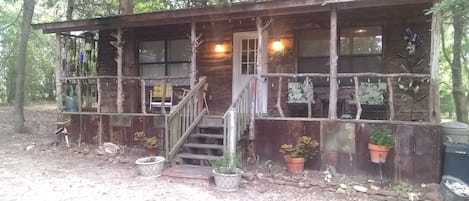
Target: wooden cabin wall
107, 66
415, 158
116, 129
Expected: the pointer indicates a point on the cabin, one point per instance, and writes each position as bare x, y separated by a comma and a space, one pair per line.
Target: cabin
253, 76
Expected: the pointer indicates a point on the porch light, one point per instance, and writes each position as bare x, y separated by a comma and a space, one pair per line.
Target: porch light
360, 31
277, 46
219, 48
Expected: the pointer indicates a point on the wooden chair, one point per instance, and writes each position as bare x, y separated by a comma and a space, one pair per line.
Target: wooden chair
157, 100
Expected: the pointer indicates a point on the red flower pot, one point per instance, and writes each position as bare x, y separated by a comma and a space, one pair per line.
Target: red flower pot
378, 153
294, 165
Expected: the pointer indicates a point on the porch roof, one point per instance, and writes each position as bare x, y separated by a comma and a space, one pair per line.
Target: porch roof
216, 13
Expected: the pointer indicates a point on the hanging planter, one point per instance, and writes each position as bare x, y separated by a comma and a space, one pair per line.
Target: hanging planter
381, 141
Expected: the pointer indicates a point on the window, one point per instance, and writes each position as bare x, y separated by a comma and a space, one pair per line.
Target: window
164, 57
248, 56
360, 41
361, 49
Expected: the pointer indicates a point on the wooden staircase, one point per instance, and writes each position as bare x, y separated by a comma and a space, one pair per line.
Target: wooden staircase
204, 144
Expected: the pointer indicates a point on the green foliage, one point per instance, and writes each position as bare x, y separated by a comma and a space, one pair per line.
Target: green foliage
228, 164
382, 136
304, 148
147, 142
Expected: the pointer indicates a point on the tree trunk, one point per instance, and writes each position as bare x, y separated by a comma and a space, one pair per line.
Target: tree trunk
126, 7
456, 69
28, 10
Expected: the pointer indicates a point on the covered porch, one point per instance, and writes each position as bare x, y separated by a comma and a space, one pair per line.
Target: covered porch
280, 69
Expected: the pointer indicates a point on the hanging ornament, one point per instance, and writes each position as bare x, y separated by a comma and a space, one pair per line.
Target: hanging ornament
379, 80
369, 80
351, 81
327, 79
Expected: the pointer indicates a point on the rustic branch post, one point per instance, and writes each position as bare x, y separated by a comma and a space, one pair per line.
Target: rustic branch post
118, 44
310, 96
391, 99
163, 97
434, 101
142, 96
58, 73
194, 45
333, 66
260, 57
279, 94
357, 98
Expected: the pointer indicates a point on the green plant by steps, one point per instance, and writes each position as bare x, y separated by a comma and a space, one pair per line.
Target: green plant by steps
304, 148
147, 142
382, 137
227, 164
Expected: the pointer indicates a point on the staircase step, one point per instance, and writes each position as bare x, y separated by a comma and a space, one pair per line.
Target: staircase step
203, 146
210, 126
206, 135
198, 156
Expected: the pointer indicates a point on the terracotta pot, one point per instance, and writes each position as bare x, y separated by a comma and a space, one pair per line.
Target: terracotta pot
151, 152
294, 165
378, 153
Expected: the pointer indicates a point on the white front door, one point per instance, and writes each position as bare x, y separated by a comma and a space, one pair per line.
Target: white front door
245, 66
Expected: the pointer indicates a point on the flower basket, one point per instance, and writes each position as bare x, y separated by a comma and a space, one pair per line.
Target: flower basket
227, 182
150, 166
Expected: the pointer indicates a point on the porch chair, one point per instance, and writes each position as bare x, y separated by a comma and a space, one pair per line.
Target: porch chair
156, 96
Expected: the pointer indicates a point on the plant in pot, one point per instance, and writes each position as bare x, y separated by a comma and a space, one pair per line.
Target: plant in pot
381, 140
296, 155
149, 143
227, 172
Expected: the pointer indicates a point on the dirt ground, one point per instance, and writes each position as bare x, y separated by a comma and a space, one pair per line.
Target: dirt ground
32, 169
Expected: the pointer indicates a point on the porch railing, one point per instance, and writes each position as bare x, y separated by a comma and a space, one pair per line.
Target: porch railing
354, 78
239, 116
184, 118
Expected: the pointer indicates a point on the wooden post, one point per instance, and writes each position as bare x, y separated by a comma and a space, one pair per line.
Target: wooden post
194, 42
163, 97
58, 73
310, 96
357, 98
261, 101
98, 87
434, 101
333, 66
142, 96
391, 99
118, 44
279, 94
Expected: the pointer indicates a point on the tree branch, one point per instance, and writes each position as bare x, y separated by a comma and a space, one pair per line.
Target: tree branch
443, 47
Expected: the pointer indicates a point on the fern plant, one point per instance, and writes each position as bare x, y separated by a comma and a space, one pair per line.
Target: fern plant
227, 164
382, 137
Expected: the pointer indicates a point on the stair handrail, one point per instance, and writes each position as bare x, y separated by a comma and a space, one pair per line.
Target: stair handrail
184, 118
238, 116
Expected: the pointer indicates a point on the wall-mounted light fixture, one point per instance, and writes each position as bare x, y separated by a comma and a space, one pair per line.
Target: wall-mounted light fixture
219, 48
277, 45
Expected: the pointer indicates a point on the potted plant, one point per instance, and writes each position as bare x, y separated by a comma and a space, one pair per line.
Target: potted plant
149, 143
381, 140
150, 166
227, 173
295, 156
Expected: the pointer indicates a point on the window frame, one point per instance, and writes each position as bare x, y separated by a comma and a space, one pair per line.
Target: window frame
166, 63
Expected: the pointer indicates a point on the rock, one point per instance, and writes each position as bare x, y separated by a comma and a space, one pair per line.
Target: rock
360, 188
259, 175
374, 187
343, 186
29, 147
110, 148
340, 190
413, 197
390, 198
